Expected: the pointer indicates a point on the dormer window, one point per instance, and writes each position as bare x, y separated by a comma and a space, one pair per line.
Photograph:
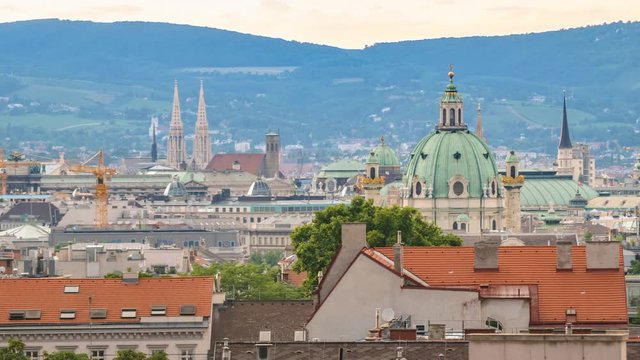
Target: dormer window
67, 314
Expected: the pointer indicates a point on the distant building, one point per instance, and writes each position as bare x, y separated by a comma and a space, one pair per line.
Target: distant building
176, 146
574, 160
262, 165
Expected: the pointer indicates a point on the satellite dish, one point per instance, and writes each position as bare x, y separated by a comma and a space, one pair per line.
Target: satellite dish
2, 269
388, 314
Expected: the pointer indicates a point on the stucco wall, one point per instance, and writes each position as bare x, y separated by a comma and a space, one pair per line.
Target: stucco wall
512, 313
349, 311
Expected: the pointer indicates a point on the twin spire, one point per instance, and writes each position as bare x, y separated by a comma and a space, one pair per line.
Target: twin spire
565, 140
176, 146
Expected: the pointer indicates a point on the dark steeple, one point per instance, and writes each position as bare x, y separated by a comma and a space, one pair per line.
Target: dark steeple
154, 146
565, 141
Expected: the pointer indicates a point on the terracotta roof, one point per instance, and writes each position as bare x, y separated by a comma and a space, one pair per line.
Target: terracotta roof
597, 296
48, 296
251, 163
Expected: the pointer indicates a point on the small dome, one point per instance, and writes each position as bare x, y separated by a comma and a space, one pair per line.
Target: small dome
512, 158
372, 158
385, 155
259, 188
175, 189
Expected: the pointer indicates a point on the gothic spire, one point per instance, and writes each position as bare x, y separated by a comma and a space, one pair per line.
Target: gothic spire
565, 140
176, 149
479, 125
202, 140
176, 120
202, 112
154, 146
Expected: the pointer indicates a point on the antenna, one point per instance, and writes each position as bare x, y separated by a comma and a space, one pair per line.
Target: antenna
388, 314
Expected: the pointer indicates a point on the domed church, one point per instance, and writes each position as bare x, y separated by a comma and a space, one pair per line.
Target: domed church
451, 176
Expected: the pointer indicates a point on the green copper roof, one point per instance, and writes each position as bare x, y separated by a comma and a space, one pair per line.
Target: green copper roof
540, 192
372, 159
512, 158
386, 156
442, 155
342, 169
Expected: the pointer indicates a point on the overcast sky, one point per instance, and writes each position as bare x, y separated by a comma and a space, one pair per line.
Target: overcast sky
344, 23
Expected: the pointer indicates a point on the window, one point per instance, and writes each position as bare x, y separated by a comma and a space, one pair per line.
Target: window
494, 226
463, 226
418, 188
32, 354
455, 225
452, 117
188, 309
372, 173
128, 314
460, 116
158, 310
444, 116
512, 171
67, 314
186, 354
98, 313
97, 354
458, 188
263, 352
421, 330
493, 323
71, 289
493, 188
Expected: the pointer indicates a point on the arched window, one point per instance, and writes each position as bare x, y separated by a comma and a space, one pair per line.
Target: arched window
455, 225
493, 188
452, 117
494, 225
463, 226
512, 172
418, 188
444, 116
372, 173
460, 116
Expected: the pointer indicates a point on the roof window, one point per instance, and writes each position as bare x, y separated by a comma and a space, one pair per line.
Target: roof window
67, 314
188, 309
71, 289
128, 314
24, 314
158, 310
98, 313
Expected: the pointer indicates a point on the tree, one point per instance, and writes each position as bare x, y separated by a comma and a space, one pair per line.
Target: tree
634, 269
588, 235
316, 243
13, 351
130, 354
65, 355
158, 355
270, 257
251, 281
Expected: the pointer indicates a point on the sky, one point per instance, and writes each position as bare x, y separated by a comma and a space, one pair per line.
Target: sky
342, 23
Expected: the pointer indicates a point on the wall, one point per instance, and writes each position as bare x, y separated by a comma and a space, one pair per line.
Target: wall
349, 311
512, 313
548, 347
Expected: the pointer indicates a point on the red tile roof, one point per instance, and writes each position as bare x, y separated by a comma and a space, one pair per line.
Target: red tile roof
597, 296
113, 295
251, 163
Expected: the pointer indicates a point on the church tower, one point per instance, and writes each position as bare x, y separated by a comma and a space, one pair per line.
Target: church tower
451, 114
512, 182
176, 149
202, 139
479, 131
272, 157
565, 149
154, 146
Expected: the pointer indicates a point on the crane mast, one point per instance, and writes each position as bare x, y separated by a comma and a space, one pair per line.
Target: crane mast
103, 176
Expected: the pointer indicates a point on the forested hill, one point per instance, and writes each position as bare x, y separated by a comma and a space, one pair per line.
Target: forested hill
314, 93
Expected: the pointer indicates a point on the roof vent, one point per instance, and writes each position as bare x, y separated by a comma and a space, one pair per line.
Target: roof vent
16, 315
130, 278
188, 309
98, 313
33, 314
158, 310
264, 336
71, 289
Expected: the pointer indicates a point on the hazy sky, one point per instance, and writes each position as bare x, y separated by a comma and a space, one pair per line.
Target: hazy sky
344, 23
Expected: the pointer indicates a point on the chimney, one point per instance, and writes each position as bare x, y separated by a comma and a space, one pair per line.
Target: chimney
603, 255
486, 255
563, 255
397, 254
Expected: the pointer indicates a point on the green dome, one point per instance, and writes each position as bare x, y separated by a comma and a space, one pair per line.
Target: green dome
385, 155
442, 155
512, 158
372, 159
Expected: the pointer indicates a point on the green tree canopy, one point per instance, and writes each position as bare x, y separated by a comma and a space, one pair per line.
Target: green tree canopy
270, 257
316, 243
130, 354
13, 351
158, 355
65, 355
251, 281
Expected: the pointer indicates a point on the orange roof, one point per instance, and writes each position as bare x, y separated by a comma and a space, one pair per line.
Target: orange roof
599, 296
251, 163
48, 296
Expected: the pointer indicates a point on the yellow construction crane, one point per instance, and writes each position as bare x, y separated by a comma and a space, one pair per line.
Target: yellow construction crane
14, 162
103, 176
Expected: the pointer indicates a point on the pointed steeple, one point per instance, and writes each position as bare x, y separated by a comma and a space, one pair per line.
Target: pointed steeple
565, 140
202, 139
154, 146
176, 149
479, 125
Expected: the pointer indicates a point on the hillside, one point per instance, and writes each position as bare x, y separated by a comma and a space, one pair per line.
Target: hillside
90, 84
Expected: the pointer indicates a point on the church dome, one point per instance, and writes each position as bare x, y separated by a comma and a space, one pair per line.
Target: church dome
444, 159
259, 188
385, 155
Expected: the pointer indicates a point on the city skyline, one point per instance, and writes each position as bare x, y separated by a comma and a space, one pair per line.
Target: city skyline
352, 24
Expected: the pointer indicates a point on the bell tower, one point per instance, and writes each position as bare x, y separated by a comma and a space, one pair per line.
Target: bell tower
272, 156
451, 107
512, 182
